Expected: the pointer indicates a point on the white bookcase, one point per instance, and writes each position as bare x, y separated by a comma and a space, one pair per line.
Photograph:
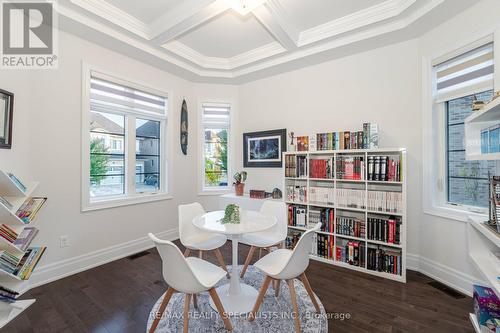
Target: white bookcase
366, 185
15, 196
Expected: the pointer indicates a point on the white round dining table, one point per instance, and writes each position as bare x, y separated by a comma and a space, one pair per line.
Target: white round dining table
237, 297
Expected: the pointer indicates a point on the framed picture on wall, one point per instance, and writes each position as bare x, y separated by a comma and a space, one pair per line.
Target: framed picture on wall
264, 149
6, 110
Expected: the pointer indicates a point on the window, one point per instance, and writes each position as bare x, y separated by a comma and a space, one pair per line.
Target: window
458, 82
215, 145
126, 156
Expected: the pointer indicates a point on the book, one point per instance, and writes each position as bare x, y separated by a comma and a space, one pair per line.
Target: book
17, 182
28, 210
312, 143
29, 262
25, 237
6, 203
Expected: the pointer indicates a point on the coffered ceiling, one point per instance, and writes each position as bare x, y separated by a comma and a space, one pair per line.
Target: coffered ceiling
210, 39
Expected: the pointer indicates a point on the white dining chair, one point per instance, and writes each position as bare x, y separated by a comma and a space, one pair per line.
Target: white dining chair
196, 239
267, 238
189, 276
284, 264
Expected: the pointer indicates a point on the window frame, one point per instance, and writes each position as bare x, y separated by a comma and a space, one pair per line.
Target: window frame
130, 197
435, 200
201, 148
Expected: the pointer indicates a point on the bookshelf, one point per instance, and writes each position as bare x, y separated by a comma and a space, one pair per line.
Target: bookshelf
316, 190
16, 195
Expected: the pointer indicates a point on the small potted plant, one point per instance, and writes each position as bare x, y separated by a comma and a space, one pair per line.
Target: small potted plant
239, 182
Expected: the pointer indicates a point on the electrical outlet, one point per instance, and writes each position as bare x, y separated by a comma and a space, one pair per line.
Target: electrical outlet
63, 241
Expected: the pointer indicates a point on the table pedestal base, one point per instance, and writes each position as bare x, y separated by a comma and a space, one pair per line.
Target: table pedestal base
237, 304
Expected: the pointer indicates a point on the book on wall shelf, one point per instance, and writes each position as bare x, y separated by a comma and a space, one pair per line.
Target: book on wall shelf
360, 199
18, 259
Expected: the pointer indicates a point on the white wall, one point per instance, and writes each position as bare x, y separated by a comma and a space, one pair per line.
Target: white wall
378, 86
47, 148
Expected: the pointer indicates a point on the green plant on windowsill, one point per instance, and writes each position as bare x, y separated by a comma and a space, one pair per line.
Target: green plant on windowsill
231, 214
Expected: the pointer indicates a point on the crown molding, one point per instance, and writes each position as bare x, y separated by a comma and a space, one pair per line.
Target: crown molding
115, 15
359, 19
257, 54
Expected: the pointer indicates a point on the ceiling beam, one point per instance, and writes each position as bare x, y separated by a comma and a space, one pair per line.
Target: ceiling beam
188, 15
274, 19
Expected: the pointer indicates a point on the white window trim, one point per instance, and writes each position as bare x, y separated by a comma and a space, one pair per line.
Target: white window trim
165, 147
434, 141
202, 190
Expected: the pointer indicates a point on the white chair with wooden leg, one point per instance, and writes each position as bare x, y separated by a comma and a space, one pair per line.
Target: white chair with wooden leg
189, 276
269, 238
195, 239
287, 265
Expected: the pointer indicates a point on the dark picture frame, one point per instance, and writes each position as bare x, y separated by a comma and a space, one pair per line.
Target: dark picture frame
6, 113
264, 149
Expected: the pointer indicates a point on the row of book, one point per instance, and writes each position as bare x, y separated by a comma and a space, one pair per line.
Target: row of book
350, 226
19, 184
350, 198
22, 240
323, 215
321, 195
384, 230
368, 138
21, 267
8, 233
296, 166
296, 193
28, 210
297, 216
384, 168
8, 295
323, 246
383, 260
350, 167
321, 168
385, 201
351, 252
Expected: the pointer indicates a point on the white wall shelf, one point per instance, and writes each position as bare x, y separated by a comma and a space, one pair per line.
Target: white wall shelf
488, 116
16, 197
366, 184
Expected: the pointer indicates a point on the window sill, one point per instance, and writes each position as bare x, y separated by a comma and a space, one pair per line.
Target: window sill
127, 201
451, 213
214, 192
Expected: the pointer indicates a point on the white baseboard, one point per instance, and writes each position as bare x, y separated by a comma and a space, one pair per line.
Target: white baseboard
451, 277
64, 268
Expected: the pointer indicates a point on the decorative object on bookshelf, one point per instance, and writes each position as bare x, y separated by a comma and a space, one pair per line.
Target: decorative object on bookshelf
264, 149
303, 143
257, 194
6, 114
184, 127
360, 199
292, 144
277, 194
231, 214
494, 203
239, 182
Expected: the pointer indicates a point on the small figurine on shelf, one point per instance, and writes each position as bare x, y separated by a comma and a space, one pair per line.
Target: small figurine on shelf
277, 193
239, 182
292, 144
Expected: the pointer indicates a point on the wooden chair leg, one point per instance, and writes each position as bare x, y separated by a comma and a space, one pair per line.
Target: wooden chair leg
187, 252
220, 259
305, 281
187, 301
200, 254
195, 301
247, 261
220, 309
162, 308
294, 304
260, 297
277, 288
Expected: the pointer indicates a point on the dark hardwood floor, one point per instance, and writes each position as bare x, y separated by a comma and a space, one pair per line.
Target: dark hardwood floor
117, 297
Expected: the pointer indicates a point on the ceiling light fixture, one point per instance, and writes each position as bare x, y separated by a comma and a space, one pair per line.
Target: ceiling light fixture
245, 6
